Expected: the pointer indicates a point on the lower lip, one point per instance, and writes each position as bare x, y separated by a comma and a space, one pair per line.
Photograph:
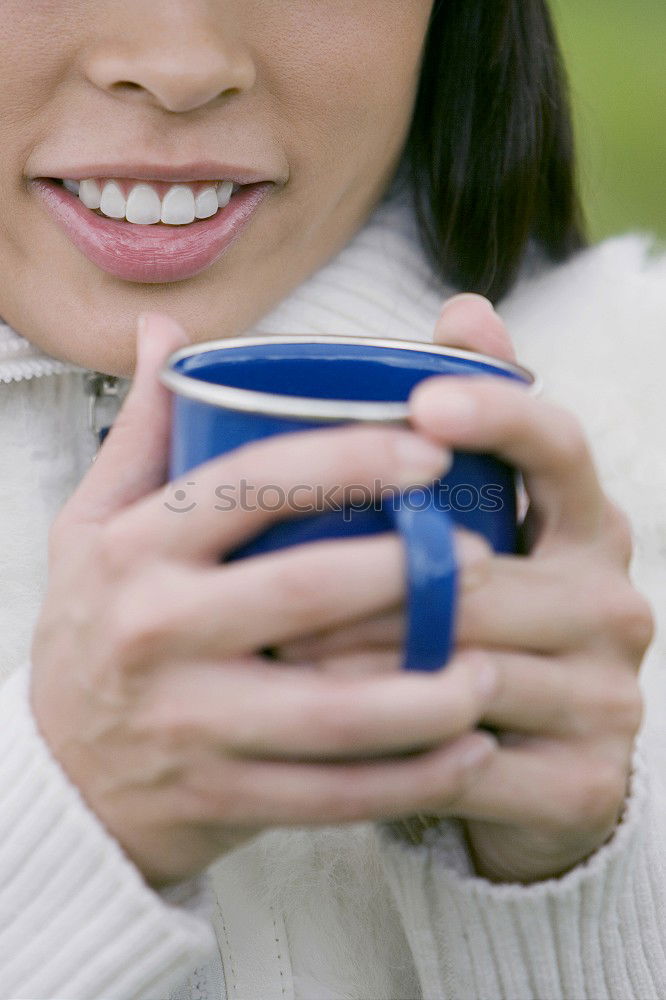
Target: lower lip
156, 253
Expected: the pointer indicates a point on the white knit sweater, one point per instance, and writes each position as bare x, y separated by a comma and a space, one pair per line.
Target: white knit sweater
346, 912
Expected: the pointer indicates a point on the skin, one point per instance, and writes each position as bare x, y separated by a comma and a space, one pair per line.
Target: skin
147, 683
298, 90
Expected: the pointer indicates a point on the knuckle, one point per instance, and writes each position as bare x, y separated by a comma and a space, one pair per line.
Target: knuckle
452, 792
334, 720
476, 558
219, 798
626, 709
115, 551
480, 679
447, 787
594, 800
619, 532
471, 546
244, 732
570, 444
627, 616
181, 753
292, 585
620, 708
304, 594
639, 624
139, 629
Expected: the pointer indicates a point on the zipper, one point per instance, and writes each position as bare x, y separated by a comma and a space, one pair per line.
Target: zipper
21, 361
103, 394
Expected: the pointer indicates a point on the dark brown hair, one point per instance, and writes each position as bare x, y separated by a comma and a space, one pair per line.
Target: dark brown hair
490, 155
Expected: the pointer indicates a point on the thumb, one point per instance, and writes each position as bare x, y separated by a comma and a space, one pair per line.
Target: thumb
468, 321
133, 459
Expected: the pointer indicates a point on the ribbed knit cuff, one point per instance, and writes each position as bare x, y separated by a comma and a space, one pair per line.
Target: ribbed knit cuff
77, 921
597, 933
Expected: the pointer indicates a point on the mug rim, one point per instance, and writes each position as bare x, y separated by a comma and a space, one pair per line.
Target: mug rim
311, 407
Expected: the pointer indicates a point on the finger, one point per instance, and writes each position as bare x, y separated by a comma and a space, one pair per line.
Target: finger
469, 322
549, 605
285, 712
262, 601
568, 698
270, 793
366, 662
543, 441
380, 633
235, 497
133, 459
266, 601
547, 787
504, 604
520, 604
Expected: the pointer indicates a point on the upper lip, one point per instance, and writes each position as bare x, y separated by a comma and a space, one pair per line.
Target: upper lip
201, 170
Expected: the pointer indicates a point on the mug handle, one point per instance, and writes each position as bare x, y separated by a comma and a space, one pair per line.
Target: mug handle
432, 582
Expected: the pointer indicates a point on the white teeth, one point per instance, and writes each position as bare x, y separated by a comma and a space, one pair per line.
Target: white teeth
224, 192
90, 194
178, 206
113, 201
205, 203
143, 205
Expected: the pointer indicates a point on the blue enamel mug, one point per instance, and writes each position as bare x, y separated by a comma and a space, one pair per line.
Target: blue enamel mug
227, 393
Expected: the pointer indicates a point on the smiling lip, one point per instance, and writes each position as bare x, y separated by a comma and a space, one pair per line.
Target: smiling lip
151, 254
202, 170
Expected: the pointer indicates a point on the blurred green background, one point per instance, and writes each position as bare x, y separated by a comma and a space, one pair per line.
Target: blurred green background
615, 51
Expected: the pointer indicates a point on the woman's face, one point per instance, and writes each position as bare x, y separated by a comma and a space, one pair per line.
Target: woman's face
313, 96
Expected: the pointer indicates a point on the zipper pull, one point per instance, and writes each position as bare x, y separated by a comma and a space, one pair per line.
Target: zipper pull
103, 392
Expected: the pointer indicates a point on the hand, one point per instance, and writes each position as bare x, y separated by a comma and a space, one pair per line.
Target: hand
562, 627
147, 683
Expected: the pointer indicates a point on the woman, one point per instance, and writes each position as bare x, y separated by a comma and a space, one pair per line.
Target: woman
178, 812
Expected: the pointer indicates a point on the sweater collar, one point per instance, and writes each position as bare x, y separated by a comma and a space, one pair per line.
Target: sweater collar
20, 360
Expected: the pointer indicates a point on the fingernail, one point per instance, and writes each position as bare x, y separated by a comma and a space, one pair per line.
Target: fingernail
478, 751
420, 460
471, 296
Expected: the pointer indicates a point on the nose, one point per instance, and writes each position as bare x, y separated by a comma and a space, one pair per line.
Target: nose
177, 56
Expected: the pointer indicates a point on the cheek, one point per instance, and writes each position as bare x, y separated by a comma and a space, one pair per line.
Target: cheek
33, 39
34, 57
345, 75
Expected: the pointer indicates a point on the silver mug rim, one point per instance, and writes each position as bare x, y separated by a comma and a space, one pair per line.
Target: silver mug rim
310, 407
